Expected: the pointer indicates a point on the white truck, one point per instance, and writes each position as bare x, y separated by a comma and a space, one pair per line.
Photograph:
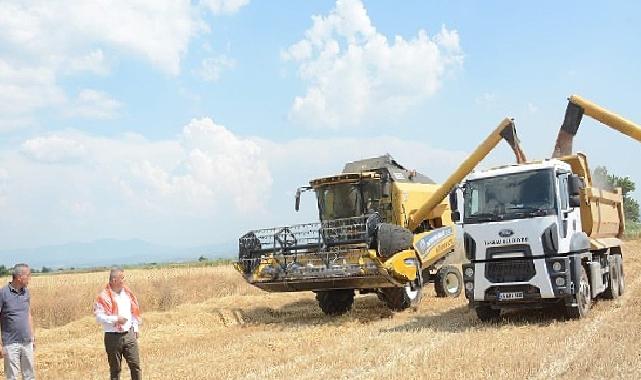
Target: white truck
539, 233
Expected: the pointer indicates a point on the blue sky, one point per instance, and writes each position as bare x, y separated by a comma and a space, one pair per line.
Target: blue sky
189, 122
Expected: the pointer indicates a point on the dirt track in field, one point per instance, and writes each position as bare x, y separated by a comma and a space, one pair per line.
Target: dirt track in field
252, 335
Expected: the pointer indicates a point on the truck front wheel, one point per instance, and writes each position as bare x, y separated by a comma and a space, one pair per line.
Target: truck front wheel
582, 302
335, 302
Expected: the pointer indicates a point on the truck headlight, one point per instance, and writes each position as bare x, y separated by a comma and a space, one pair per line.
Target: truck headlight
556, 266
469, 286
560, 281
469, 272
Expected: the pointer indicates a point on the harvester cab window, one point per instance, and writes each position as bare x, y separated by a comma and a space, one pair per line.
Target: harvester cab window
339, 201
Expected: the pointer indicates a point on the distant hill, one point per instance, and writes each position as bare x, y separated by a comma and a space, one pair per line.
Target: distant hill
107, 252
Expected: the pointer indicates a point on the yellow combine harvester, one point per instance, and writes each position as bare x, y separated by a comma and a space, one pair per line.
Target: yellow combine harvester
383, 229
540, 233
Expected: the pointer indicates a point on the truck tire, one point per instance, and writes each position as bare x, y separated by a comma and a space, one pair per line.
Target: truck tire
448, 282
621, 275
583, 298
612, 291
487, 314
335, 302
393, 239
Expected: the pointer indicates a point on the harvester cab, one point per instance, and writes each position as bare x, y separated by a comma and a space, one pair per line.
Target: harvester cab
382, 229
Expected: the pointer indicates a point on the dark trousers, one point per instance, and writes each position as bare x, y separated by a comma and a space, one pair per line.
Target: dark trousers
119, 345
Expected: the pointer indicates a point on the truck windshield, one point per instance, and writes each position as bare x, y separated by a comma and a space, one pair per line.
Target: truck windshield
348, 200
510, 196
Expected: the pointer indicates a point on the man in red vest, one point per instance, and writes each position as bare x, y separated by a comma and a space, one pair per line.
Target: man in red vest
118, 312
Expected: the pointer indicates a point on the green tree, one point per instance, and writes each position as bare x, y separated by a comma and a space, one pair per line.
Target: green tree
4, 271
602, 179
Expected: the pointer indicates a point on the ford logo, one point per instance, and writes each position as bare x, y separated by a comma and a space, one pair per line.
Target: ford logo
506, 233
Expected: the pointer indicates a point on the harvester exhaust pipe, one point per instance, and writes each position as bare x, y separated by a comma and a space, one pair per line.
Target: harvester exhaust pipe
577, 107
506, 131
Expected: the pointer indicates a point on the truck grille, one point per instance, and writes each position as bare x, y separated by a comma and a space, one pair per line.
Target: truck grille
509, 271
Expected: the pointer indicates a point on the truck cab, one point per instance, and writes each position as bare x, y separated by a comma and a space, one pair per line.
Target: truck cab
529, 235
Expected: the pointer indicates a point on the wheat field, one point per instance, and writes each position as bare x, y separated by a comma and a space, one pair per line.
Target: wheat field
206, 323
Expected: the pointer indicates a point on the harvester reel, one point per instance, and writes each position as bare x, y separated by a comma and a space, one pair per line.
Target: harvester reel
285, 238
392, 239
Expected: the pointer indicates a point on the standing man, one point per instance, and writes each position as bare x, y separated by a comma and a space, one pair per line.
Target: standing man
17, 325
117, 310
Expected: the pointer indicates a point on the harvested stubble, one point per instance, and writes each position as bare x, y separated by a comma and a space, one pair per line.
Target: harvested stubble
240, 332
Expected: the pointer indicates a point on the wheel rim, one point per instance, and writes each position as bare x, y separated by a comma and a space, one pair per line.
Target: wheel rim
411, 294
452, 284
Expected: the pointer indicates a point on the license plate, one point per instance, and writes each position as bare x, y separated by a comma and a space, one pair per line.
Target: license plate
507, 296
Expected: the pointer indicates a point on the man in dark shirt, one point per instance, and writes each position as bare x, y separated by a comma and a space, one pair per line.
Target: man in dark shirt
16, 325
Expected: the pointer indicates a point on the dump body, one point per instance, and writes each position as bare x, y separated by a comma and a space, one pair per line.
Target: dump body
602, 214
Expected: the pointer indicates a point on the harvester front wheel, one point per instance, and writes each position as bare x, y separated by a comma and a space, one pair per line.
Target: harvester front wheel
335, 302
448, 282
399, 299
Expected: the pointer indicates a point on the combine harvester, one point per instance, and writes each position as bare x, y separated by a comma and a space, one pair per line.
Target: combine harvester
540, 233
383, 229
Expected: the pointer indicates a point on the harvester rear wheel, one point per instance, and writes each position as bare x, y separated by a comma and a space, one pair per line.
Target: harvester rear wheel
583, 298
393, 239
335, 302
448, 282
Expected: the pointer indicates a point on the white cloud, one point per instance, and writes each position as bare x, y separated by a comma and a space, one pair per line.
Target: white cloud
92, 104
225, 6
43, 39
532, 108
54, 149
158, 31
486, 99
207, 184
211, 68
356, 74
93, 62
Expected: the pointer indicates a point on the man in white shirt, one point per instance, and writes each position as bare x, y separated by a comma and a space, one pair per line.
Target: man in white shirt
118, 312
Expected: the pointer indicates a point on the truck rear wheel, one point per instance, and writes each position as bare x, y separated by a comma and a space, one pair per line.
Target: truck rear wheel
612, 292
621, 275
583, 299
487, 314
335, 302
448, 282
392, 239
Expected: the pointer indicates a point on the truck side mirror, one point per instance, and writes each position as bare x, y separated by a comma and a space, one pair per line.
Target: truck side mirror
456, 215
453, 200
575, 184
